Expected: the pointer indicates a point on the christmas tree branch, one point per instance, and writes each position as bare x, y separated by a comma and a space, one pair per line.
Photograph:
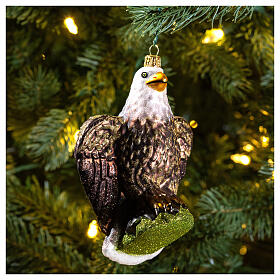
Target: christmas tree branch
42, 207
40, 16
52, 139
91, 57
35, 93
36, 251
156, 20
227, 70
241, 214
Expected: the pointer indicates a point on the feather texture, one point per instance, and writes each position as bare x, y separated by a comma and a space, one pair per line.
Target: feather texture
184, 139
96, 163
145, 161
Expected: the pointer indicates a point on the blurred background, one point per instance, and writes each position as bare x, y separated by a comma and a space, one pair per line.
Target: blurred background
65, 64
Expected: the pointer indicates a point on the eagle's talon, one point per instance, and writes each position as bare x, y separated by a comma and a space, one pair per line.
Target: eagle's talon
160, 203
169, 207
131, 225
174, 210
156, 209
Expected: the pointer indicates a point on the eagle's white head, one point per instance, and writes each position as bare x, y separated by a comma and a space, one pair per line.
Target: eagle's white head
147, 98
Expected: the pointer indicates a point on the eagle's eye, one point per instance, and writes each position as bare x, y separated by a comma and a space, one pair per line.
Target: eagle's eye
144, 75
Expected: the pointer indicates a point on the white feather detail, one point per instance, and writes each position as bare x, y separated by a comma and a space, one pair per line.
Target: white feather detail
109, 251
144, 102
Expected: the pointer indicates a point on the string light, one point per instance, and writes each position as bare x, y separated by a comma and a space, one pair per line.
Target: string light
237, 115
193, 124
264, 112
245, 160
265, 141
248, 148
243, 250
76, 135
175, 25
186, 183
214, 35
92, 229
255, 142
71, 25
262, 129
241, 159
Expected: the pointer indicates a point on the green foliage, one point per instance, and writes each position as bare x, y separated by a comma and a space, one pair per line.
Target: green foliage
40, 16
34, 92
267, 169
37, 90
226, 69
36, 251
155, 20
21, 54
209, 248
259, 41
43, 207
91, 96
228, 72
230, 264
46, 231
231, 207
52, 139
91, 58
57, 80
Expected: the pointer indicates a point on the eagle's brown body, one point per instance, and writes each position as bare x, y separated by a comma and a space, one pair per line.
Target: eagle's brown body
131, 165
148, 157
143, 161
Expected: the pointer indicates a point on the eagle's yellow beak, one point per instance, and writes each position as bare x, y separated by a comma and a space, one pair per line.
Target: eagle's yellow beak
158, 81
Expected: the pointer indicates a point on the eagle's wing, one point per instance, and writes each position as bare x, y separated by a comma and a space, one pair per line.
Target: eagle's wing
95, 156
184, 139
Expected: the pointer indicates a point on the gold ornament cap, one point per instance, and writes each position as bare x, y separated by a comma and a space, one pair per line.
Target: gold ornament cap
152, 60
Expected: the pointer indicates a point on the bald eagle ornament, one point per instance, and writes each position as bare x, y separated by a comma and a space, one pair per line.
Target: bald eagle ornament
131, 165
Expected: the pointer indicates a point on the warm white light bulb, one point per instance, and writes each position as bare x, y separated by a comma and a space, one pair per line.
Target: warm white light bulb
193, 124
265, 141
245, 160
71, 25
248, 148
213, 36
241, 159
218, 33
92, 229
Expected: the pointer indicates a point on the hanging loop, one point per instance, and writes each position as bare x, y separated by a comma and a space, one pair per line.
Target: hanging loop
155, 39
150, 49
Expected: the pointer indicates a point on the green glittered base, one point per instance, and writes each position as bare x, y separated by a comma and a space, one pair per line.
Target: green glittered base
154, 235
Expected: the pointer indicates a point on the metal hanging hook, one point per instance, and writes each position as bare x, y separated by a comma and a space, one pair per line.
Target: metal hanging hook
150, 49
